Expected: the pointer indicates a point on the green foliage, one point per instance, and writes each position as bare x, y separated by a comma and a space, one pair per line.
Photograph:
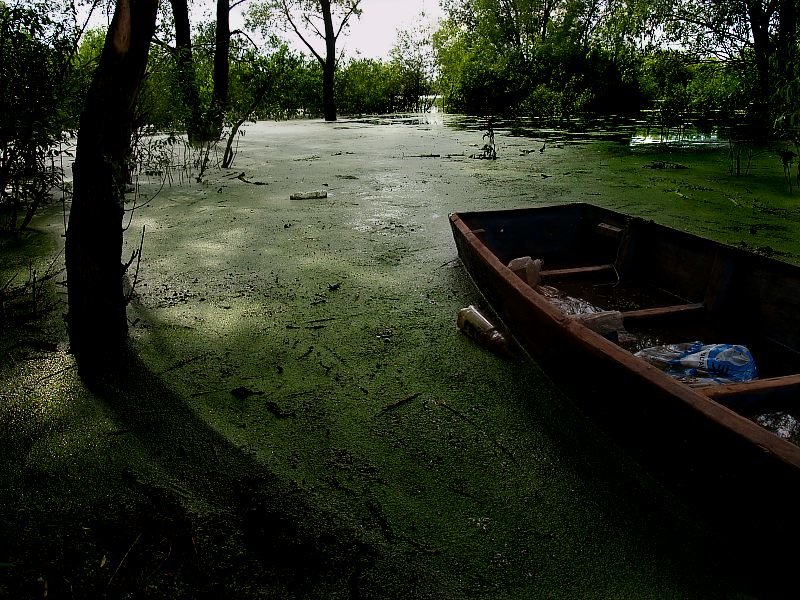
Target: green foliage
451, 49
683, 89
665, 77
566, 57
715, 88
475, 78
279, 85
35, 52
541, 58
298, 88
786, 98
414, 62
79, 76
160, 106
557, 76
368, 86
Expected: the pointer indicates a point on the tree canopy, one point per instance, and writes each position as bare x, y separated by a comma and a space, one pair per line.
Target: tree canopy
313, 22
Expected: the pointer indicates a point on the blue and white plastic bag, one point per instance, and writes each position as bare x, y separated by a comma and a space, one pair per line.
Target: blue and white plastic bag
699, 363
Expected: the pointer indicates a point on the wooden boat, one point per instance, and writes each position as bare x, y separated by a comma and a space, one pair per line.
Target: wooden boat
667, 286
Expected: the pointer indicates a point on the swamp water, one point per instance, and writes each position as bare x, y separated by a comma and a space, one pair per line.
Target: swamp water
310, 345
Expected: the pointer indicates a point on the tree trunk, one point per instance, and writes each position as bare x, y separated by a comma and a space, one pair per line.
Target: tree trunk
219, 103
97, 320
186, 75
759, 25
787, 40
329, 66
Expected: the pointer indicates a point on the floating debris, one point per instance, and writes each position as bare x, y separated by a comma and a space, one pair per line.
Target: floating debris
309, 195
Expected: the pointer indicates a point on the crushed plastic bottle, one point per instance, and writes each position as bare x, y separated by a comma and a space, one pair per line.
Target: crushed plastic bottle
699, 363
475, 325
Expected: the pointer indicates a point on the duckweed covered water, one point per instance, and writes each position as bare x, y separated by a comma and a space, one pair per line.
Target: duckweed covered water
300, 394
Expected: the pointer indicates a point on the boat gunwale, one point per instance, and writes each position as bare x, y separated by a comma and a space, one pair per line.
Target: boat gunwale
714, 411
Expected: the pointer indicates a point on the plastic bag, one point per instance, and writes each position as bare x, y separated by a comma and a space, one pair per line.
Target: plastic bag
699, 363
569, 304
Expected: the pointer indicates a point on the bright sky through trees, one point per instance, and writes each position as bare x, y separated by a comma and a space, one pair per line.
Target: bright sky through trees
374, 34
371, 36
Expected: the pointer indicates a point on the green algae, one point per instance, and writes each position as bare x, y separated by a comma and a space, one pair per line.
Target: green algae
299, 389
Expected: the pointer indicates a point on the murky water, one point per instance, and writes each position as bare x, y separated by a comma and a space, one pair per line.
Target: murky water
637, 133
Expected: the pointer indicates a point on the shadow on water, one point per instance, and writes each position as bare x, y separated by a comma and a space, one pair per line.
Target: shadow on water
188, 514
279, 540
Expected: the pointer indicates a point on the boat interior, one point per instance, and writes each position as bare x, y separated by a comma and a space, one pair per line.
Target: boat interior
669, 287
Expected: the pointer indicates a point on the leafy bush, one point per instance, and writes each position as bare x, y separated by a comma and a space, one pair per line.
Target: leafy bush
34, 61
368, 86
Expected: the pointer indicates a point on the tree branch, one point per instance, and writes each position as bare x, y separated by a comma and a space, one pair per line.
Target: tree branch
245, 35
288, 16
311, 24
163, 44
346, 18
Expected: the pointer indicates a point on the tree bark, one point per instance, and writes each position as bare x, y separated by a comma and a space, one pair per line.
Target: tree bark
759, 25
186, 74
97, 320
787, 40
219, 103
329, 66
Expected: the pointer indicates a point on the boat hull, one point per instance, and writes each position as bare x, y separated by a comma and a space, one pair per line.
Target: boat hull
686, 434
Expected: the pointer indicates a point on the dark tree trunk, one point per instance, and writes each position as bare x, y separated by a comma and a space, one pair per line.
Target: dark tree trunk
787, 40
219, 103
759, 24
97, 320
186, 74
329, 66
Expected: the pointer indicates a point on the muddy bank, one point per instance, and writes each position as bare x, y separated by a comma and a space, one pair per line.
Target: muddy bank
303, 419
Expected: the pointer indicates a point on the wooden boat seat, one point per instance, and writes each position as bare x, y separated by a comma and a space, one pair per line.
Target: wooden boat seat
563, 273
752, 398
761, 389
662, 311
609, 230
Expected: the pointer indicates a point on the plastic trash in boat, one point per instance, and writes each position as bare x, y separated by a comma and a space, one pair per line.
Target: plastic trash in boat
608, 323
527, 269
569, 304
698, 363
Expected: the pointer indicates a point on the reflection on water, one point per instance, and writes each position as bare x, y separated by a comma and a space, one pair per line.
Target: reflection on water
684, 136
434, 119
635, 133
565, 131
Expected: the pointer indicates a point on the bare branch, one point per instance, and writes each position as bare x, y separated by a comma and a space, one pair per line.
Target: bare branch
163, 44
313, 26
288, 16
245, 35
346, 18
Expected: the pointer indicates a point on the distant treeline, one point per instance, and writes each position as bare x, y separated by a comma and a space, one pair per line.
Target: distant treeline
735, 62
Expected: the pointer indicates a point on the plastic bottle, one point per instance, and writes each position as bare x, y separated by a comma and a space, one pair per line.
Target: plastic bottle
476, 326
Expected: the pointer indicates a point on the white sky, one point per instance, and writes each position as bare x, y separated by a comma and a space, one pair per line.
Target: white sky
371, 36
374, 34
